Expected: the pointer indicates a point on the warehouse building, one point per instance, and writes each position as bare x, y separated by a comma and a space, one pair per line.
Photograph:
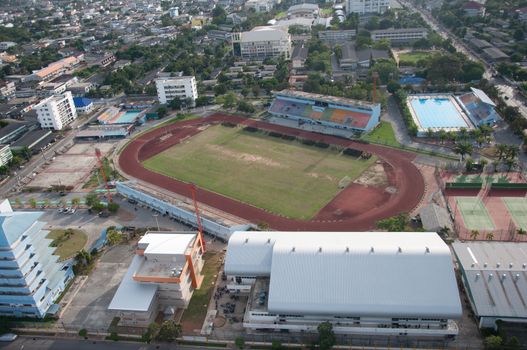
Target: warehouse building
393, 284
495, 278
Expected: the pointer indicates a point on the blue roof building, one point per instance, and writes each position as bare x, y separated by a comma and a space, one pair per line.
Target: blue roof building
83, 104
31, 277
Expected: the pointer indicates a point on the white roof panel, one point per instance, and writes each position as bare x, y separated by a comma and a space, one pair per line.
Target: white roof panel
132, 295
483, 96
170, 243
356, 273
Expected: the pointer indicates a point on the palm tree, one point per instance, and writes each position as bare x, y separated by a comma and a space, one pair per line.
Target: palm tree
452, 136
510, 164
501, 149
474, 234
463, 133
462, 149
490, 236
480, 140
429, 133
511, 152
442, 136
521, 231
483, 163
485, 130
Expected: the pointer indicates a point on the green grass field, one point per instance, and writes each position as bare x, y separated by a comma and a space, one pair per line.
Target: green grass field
67, 245
412, 58
281, 176
382, 134
518, 209
474, 213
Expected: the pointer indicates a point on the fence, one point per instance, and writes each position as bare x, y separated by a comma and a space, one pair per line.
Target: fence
463, 185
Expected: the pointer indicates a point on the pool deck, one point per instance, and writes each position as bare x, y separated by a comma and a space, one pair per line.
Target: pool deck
422, 131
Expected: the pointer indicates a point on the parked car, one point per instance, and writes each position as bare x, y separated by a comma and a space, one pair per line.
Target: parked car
61, 210
72, 211
8, 337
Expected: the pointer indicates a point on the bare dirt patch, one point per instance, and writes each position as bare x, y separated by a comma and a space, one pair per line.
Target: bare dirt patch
245, 157
373, 176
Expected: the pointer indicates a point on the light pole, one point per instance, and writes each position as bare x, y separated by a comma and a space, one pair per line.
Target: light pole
157, 222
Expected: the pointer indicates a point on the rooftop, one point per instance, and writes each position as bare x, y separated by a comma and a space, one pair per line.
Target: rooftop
325, 98
350, 273
166, 243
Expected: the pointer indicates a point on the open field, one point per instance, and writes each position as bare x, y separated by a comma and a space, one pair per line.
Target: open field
280, 176
68, 242
412, 58
383, 134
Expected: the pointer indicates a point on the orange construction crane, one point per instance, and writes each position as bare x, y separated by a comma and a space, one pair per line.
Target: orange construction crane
194, 189
101, 166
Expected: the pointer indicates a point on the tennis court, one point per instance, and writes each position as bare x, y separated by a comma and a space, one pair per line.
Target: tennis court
517, 207
474, 213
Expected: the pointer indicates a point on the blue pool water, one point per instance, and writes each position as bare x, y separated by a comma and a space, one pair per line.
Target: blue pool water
128, 117
437, 113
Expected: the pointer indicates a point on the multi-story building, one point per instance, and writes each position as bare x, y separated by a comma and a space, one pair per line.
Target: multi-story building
474, 9
261, 43
259, 5
363, 7
399, 35
56, 68
337, 36
5, 155
366, 284
161, 278
31, 277
7, 89
57, 111
182, 87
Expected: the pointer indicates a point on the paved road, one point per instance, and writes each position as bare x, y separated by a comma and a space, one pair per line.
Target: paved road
27, 343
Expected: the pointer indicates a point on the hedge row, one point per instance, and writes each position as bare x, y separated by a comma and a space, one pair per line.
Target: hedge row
463, 185
508, 186
401, 99
352, 152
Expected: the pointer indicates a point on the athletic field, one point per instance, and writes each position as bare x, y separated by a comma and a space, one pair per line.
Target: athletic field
284, 177
517, 207
474, 213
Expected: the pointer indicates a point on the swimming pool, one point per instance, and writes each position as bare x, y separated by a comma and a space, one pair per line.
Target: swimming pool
127, 117
437, 112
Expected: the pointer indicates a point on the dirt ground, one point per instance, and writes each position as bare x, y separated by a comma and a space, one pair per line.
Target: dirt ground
373, 176
72, 168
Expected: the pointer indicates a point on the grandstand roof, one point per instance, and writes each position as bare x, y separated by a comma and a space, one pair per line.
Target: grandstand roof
482, 96
496, 277
377, 274
325, 98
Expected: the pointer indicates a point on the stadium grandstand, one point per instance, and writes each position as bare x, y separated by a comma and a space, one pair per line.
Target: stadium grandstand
332, 115
479, 107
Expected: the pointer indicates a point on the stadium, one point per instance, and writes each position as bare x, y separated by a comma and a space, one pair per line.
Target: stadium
451, 113
241, 168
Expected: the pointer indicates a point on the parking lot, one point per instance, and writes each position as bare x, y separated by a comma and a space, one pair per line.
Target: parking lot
89, 307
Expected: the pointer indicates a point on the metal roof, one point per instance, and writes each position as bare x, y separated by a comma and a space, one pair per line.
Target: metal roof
264, 34
14, 224
483, 96
132, 295
166, 243
495, 276
405, 274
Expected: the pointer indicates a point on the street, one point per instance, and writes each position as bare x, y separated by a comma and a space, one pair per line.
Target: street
40, 343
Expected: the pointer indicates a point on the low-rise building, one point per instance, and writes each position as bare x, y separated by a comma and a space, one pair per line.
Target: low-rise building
162, 277
299, 56
55, 69
494, 54
473, 9
4, 45
399, 35
366, 284
56, 112
303, 10
83, 105
5, 155
259, 5
32, 277
183, 87
261, 43
494, 275
363, 7
7, 89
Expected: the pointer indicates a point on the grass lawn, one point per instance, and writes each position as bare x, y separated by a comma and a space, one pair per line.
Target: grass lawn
194, 315
281, 176
67, 245
383, 133
411, 58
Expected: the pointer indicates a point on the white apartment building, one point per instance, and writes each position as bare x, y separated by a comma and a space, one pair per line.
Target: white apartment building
7, 89
262, 42
161, 278
57, 111
5, 155
172, 87
367, 284
259, 5
400, 35
367, 6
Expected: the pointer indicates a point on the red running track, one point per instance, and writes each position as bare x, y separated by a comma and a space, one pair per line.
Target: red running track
408, 180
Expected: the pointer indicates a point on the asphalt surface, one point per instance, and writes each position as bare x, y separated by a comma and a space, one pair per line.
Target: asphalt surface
27, 343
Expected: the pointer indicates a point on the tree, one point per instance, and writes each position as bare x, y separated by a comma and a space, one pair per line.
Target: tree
326, 336
474, 234
442, 136
511, 152
514, 344
239, 342
501, 150
276, 345
229, 100
392, 86
169, 331
396, 223
493, 342
75, 201
244, 106
32, 202
430, 133
462, 149
490, 236
83, 333
113, 207
387, 70
151, 332
176, 104
91, 199
162, 112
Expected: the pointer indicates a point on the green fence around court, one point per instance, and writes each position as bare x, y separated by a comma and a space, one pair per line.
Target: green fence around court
463, 185
508, 186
